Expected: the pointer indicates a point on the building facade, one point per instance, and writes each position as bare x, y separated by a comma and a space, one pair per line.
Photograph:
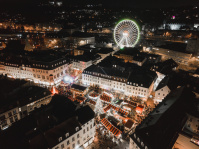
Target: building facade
30, 98
83, 136
122, 81
46, 73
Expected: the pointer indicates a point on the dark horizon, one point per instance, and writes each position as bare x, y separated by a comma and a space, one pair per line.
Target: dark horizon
105, 3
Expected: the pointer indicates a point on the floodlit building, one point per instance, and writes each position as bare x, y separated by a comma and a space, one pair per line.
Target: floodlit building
20, 102
58, 125
162, 90
47, 70
132, 83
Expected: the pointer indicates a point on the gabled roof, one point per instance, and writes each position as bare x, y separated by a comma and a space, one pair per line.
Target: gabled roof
163, 83
160, 128
78, 87
85, 114
107, 71
144, 77
43, 128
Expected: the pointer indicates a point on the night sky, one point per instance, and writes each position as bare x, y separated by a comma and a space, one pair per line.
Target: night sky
119, 3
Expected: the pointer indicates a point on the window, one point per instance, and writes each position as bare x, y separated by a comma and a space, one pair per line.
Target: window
62, 146
11, 120
87, 129
84, 131
68, 142
14, 112
67, 135
60, 139
73, 139
77, 128
77, 135
9, 114
73, 145
90, 126
78, 142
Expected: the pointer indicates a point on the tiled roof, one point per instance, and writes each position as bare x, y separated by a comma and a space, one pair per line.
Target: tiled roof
110, 127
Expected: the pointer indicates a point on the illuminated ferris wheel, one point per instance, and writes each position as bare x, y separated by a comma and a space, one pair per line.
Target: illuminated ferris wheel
126, 33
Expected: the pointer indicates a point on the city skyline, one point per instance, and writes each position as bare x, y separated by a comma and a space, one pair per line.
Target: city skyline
118, 3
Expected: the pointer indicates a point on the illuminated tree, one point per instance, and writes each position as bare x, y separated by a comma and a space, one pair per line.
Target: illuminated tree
98, 107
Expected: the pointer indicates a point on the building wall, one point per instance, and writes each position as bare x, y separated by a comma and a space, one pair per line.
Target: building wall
175, 26
129, 89
80, 65
9, 117
161, 94
133, 145
38, 75
86, 136
158, 80
192, 124
127, 58
78, 52
2, 68
15, 114
36, 104
85, 40
136, 143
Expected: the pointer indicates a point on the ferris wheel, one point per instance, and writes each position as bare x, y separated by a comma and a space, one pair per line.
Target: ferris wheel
126, 33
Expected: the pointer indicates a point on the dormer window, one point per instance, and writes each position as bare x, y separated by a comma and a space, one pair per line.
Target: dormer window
77, 128
142, 144
67, 135
138, 139
60, 139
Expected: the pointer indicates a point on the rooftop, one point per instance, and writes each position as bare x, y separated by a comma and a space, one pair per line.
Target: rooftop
179, 47
155, 131
22, 96
107, 71
85, 114
46, 125
78, 87
105, 50
163, 83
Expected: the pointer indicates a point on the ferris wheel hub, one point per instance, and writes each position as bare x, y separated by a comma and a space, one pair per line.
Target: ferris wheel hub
125, 33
